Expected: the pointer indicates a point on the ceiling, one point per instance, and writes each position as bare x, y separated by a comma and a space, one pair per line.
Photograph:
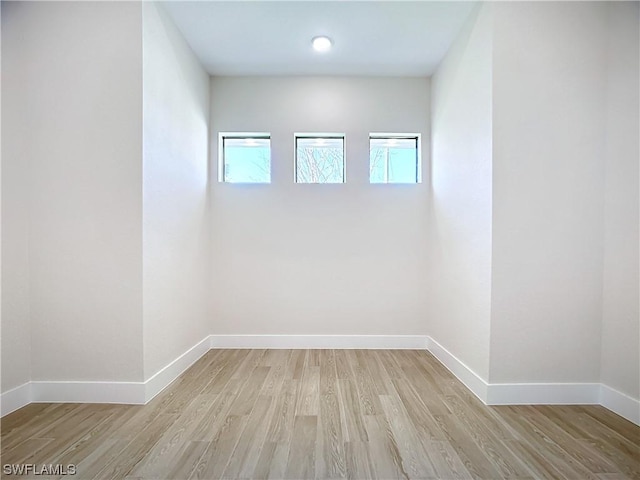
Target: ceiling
385, 38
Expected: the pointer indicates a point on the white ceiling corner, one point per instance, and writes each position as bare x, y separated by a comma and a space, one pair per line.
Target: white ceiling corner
378, 38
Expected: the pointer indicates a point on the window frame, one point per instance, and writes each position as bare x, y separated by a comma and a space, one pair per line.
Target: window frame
320, 136
240, 136
398, 136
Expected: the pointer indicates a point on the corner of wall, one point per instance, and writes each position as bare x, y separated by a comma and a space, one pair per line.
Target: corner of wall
620, 332
176, 219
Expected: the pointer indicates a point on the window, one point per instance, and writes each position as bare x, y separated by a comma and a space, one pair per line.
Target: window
245, 158
319, 158
394, 158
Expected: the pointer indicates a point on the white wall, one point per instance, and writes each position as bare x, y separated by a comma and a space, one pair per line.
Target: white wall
518, 253
319, 259
0, 199
16, 339
176, 246
459, 289
72, 142
549, 84
621, 324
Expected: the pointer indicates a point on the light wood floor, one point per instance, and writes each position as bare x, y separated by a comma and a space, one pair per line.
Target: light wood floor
363, 414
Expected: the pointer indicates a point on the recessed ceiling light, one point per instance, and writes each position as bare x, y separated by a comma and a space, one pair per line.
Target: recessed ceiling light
321, 44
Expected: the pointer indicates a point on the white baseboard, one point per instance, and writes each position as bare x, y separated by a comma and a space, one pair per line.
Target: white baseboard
16, 398
537, 393
132, 393
161, 379
491, 394
516, 393
543, 394
462, 372
620, 403
413, 342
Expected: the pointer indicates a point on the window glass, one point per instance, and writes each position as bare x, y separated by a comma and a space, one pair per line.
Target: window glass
393, 159
320, 159
246, 159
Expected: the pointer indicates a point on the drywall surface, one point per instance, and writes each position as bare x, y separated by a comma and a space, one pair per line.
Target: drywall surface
176, 246
317, 258
0, 199
621, 321
548, 84
459, 288
16, 339
74, 73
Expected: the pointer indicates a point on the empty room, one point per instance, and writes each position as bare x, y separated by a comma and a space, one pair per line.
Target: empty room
320, 240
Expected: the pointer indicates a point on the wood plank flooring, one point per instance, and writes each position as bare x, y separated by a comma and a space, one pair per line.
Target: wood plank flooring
324, 414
